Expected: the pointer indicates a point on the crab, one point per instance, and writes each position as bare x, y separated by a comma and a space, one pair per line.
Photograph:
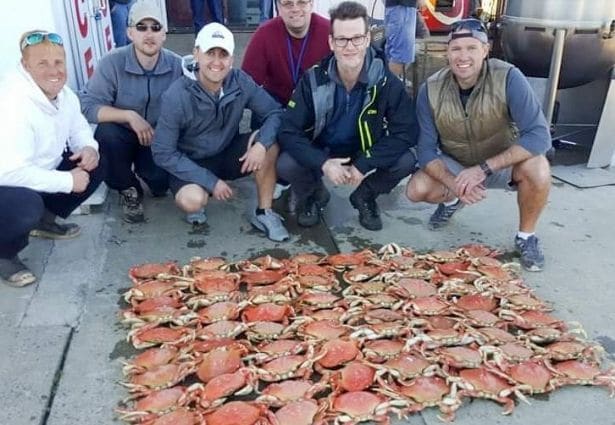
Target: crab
152, 270
300, 412
219, 361
151, 358
342, 262
533, 376
500, 272
198, 264
458, 357
159, 315
372, 316
306, 258
532, 319
278, 394
262, 277
576, 372
456, 287
182, 416
155, 404
546, 335
426, 306
217, 389
381, 350
569, 350
379, 299
491, 335
213, 289
159, 377
320, 329
151, 289
222, 329
149, 304
287, 367
425, 391
270, 350
478, 250
501, 289
524, 302
239, 412
336, 314
325, 282
151, 335
434, 338
223, 310
269, 312
406, 366
316, 301
336, 353
476, 302
510, 352
266, 262
281, 292
362, 273
449, 268
482, 383
365, 288
361, 406
354, 376
381, 330
267, 331
480, 318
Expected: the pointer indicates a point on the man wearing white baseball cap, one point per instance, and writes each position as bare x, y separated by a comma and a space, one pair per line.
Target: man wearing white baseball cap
197, 138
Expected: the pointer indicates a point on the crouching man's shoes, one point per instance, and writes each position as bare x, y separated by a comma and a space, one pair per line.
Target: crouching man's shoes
53, 230
369, 213
15, 273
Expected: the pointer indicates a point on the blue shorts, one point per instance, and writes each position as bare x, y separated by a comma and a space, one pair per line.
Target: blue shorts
399, 28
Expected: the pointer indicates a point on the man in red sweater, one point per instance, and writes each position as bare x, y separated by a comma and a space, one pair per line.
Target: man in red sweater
282, 48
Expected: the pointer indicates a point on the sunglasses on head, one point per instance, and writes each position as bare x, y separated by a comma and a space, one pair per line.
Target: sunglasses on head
144, 27
38, 37
470, 24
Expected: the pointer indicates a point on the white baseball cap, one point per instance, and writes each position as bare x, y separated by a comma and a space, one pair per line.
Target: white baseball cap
144, 9
215, 35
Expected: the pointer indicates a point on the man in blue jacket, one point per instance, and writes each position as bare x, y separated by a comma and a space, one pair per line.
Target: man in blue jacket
197, 138
350, 120
481, 127
123, 98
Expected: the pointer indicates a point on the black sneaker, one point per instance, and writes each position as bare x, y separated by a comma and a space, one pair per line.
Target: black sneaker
532, 258
443, 214
369, 213
132, 207
310, 209
53, 230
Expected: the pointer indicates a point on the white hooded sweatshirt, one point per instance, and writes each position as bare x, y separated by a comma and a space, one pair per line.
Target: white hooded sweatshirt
34, 133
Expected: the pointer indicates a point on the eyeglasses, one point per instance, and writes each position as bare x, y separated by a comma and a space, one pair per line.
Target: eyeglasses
357, 40
470, 24
38, 37
144, 27
301, 4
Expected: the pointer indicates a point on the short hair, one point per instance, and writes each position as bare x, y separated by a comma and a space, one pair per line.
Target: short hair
346, 11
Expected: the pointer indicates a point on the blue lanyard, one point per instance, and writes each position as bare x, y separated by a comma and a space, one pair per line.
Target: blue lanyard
295, 68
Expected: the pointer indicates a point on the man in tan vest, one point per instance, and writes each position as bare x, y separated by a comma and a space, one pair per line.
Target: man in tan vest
481, 127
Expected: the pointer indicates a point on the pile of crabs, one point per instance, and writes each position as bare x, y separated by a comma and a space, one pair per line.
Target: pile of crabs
342, 338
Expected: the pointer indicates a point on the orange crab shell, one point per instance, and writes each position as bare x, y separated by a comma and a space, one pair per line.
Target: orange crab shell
237, 412
220, 361
355, 376
299, 412
337, 352
151, 270
267, 312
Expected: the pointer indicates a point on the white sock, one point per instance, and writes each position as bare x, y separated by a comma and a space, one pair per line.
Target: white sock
453, 202
524, 235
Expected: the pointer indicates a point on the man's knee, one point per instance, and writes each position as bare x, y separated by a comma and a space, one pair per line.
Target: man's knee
191, 198
535, 170
418, 190
27, 209
109, 134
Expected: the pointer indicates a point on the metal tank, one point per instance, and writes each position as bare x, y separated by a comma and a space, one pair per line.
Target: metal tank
580, 32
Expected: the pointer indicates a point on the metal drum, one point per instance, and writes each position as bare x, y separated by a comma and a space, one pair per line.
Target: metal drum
528, 34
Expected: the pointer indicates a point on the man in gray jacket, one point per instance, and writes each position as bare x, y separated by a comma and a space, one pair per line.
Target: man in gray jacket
197, 138
123, 98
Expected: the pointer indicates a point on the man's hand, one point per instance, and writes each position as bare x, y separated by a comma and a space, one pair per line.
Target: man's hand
356, 177
222, 191
336, 171
86, 158
474, 195
143, 130
81, 179
253, 159
468, 179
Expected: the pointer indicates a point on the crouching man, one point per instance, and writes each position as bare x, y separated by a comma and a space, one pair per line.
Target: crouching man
48, 156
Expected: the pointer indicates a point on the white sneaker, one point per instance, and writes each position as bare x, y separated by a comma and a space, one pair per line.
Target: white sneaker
198, 217
279, 189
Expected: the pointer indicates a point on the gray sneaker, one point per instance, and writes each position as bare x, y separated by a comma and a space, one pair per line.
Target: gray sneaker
443, 214
271, 224
197, 218
532, 258
132, 207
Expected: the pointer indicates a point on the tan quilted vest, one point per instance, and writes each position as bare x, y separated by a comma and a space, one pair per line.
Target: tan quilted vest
485, 128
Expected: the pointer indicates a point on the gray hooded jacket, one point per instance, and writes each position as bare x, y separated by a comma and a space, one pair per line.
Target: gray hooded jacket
194, 124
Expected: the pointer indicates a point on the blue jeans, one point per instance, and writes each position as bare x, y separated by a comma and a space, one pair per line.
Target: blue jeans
266, 7
198, 12
119, 23
400, 28
23, 208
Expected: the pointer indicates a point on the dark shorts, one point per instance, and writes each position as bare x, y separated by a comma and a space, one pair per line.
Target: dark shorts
225, 164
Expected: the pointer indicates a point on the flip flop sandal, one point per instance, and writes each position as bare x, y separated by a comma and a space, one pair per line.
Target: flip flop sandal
21, 278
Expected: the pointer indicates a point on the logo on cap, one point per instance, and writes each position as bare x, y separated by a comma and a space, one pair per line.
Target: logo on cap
217, 34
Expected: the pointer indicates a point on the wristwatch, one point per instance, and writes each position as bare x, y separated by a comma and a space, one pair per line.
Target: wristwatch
486, 169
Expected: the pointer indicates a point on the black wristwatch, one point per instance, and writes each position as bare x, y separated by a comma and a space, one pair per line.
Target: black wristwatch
486, 169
